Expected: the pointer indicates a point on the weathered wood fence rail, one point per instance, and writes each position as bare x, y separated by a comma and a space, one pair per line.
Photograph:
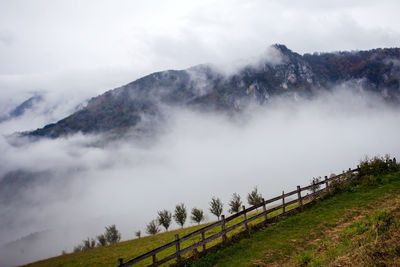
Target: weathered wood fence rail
300, 200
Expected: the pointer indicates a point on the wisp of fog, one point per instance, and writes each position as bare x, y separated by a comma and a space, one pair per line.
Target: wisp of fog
79, 188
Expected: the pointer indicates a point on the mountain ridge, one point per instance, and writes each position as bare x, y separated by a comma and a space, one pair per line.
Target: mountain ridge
138, 106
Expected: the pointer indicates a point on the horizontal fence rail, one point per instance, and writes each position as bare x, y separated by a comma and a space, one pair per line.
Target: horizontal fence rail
248, 217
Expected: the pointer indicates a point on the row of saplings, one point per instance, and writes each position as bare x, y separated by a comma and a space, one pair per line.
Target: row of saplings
112, 235
164, 217
368, 167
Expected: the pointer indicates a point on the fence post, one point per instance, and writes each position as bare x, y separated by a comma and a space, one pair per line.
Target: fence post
223, 228
350, 174
283, 202
326, 184
265, 211
154, 259
120, 261
313, 188
178, 248
299, 200
203, 238
245, 218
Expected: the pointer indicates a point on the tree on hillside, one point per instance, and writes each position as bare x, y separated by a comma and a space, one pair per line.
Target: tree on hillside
254, 198
197, 215
138, 233
77, 248
180, 214
112, 234
235, 203
101, 240
88, 244
152, 228
164, 218
314, 184
216, 207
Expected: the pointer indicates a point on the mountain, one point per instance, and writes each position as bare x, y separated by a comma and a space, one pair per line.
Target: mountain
23, 107
139, 106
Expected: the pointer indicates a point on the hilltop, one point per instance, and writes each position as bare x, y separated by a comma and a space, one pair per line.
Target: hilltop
140, 105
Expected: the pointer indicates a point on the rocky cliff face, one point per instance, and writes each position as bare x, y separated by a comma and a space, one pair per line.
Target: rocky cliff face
139, 105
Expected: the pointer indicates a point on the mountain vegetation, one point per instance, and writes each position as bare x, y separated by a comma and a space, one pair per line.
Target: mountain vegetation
140, 105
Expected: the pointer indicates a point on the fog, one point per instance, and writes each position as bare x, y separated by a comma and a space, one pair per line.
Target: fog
80, 188
80, 49
68, 189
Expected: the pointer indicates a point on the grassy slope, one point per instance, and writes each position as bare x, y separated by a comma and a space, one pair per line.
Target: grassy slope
287, 242
108, 255
326, 233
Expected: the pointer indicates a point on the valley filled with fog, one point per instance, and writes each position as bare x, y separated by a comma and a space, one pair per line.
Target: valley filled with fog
254, 113
70, 188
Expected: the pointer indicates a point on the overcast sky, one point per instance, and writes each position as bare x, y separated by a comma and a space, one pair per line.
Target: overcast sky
94, 45
72, 50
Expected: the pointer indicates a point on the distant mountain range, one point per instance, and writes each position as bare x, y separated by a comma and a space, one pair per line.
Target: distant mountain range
22, 108
138, 106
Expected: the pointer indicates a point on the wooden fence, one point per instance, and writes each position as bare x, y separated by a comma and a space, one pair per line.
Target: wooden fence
286, 201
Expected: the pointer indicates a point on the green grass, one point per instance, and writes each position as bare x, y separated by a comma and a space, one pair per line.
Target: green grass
274, 243
108, 255
297, 239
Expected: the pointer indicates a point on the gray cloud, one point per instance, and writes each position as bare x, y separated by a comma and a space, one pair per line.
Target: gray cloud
83, 50
71, 51
199, 155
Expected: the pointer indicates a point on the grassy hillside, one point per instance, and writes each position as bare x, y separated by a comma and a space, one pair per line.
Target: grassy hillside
108, 255
359, 226
340, 227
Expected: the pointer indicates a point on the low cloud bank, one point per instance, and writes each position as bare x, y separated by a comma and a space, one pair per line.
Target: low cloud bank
76, 189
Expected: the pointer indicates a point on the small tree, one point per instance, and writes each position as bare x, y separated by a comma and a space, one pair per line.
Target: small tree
78, 248
235, 203
164, 218
314, 184
88, 244
152, 228
112, 234
180, 214
138, 233
216, 207
197, 215
254, 198
101, 240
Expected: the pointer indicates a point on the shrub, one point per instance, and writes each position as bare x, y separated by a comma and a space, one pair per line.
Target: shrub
197, 215
314, 184
378, 166
112, 234
101, 240
78, 248
138, 233
235, 203
216, 207
254, 198
88, 244
152, 228
164, 218
180, 214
